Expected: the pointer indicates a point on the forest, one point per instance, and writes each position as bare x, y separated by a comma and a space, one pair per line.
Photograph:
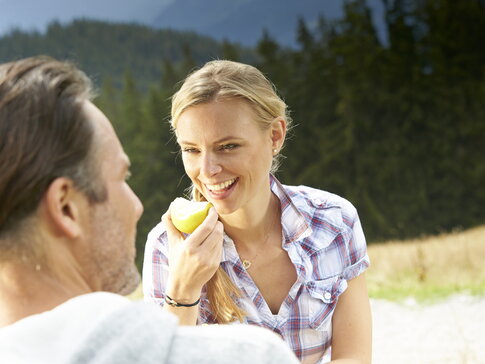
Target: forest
396, 127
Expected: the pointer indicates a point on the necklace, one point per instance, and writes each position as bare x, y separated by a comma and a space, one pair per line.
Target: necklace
248, 262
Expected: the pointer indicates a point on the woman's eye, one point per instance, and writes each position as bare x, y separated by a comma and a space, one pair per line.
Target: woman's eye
189, 150
229, 146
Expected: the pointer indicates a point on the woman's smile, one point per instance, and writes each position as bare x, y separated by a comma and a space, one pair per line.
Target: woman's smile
221, 190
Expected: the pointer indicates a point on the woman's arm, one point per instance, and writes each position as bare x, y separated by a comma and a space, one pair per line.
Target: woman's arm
352, 325
192, 262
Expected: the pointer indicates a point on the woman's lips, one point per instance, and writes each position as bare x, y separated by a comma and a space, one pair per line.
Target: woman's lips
222, 190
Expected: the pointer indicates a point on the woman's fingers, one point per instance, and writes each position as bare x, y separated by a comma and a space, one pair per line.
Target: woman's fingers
215, 240
172, 232
204, 230
210, 250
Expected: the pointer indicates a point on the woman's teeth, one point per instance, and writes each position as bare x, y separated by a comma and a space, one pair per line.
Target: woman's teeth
221, 186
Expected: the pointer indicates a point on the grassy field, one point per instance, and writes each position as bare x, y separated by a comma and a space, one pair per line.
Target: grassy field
426, 269
429, 269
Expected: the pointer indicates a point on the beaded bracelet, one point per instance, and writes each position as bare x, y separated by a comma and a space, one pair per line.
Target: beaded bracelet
174, 303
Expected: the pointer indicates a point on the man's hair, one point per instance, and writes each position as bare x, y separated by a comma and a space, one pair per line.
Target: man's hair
44, 134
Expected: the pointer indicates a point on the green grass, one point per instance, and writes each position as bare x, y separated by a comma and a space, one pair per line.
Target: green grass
429, 269
425, 293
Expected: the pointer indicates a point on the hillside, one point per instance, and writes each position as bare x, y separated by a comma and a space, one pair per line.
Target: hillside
107, 50
244, 20
240, 21
36, 15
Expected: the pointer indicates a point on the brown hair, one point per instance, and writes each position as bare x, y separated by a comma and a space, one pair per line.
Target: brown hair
222, 79
44, 135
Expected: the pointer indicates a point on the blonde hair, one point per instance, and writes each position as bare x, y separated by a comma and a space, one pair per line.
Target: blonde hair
218, 80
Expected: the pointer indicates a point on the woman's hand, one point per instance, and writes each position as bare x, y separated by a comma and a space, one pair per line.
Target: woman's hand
193, 260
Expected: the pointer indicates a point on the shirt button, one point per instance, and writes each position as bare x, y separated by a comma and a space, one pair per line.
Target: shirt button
327, 295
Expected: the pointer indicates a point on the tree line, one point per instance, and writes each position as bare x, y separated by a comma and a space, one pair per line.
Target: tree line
396, 127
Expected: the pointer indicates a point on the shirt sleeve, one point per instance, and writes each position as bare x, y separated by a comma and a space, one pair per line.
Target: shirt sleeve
155, 266
358, 259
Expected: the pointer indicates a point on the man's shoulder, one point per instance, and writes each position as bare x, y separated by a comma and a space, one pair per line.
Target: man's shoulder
143, 333
230, 344
138, 332
53, 335
103, 327
82, 309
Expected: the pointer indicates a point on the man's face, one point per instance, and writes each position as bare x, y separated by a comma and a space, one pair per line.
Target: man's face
112, 223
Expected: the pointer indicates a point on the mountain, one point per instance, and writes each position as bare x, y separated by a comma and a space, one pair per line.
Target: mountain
36, 15
243, 21
106, 50
240, 21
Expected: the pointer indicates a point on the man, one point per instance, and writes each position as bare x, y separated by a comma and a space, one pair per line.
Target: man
67, 231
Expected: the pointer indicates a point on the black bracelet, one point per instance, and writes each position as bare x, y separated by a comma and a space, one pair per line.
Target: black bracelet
174, 303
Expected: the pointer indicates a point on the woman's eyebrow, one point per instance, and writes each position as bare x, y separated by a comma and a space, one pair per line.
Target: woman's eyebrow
222, 140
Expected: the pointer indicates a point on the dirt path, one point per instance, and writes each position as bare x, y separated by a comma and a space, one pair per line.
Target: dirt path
452, 331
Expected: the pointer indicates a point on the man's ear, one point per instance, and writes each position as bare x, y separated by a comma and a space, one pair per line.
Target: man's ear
278, 133
62, 207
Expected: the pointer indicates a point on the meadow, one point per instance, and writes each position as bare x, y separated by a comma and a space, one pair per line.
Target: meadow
430, 268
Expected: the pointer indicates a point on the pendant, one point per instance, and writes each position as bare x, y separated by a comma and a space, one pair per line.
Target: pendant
246, 264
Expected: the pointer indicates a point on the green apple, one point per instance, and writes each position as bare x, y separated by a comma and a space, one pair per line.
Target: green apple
187, 215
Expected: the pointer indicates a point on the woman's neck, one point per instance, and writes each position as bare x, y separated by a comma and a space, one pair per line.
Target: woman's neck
251, 225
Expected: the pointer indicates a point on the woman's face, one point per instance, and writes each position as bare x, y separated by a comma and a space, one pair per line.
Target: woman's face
226, 154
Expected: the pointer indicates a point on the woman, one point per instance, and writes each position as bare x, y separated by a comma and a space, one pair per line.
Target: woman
292, 257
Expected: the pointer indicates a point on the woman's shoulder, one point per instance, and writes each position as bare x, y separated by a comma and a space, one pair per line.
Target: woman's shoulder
319, 199
336, 232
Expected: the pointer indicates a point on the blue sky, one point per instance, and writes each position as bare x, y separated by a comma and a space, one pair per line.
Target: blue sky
36, 14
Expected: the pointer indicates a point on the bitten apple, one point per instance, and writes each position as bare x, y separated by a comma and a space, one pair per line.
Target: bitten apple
187, 215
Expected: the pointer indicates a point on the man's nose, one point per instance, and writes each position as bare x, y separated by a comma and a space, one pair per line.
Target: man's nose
138, 206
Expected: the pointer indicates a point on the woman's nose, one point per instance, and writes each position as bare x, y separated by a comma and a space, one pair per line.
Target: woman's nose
210, 165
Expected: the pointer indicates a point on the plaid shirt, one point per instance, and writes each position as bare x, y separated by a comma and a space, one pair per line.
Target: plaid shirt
324, 240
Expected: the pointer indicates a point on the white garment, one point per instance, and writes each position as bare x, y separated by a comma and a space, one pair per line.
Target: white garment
107, 328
